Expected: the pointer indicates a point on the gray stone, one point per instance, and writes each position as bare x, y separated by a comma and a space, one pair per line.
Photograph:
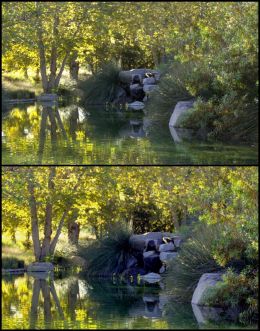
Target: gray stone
127, 75
147, 254
138, 241
206, 281
120, 96
136, 105
181, 108
168, 256
131, 262
40, 267
149, 88
162, 269
166, 247
205, 314
151, 278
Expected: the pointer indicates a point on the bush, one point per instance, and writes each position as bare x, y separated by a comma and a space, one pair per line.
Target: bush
108, 255
196, 258
12, 263
101, 88
239, 291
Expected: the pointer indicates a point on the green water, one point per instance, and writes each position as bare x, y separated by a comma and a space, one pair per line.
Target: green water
68, 134
74, 303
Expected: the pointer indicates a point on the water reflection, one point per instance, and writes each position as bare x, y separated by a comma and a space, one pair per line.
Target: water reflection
40, 301
47, 133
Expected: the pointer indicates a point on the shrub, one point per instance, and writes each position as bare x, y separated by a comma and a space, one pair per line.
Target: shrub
108, 255
239, 291
101, 88
12, 263
195, 258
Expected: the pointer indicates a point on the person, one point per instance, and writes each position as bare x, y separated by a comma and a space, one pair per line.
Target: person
136, 89
149, 79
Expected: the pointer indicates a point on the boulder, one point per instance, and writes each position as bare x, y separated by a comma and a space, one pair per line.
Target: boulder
152, 263
136, 105
120, 96
166, 247
127, 75
149, 88
162, 269
206, 281
138, 241
131, 262
181, 108
205, 314
149, 253
40, 267
78, 261
168, 256
151, 278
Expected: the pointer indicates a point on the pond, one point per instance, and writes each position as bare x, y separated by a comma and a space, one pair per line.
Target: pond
74, 303
71, 134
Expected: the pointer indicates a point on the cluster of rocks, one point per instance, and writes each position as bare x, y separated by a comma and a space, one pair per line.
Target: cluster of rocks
135, 87
150, 254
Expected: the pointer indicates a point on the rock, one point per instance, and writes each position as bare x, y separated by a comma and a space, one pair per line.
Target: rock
149, 88
138, 241
120, 96
131, 262
168, 256
166, 247
152, 263
151, 278
40, 267
78, 261
149, 81
127, 76
149, 253
181, 108
136, 105
214, 314
162, 269
206, 281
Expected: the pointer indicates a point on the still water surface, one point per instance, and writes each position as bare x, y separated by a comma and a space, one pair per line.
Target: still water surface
69, 134
75, 303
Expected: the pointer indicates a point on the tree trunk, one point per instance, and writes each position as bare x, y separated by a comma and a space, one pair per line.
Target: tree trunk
73, 232
34, 217
37, 75
48, 217
74, 66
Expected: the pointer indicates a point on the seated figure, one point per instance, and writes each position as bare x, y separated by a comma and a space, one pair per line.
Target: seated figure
136, 89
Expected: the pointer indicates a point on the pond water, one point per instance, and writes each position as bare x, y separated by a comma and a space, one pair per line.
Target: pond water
75, 303
71, 134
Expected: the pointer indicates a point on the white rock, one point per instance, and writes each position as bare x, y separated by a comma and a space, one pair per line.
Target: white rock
151, 277
136, 105
168, 256
149, 88
166, 247
162, 269
179, 110
206, 281
149, 253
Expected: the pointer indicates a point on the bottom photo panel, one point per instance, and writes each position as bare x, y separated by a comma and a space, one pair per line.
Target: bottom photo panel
129, 247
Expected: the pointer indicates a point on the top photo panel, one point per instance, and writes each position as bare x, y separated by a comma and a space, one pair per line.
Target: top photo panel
129, 83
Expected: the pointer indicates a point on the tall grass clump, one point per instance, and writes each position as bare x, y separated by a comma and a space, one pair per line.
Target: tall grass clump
109, 254
195, 258
101, 87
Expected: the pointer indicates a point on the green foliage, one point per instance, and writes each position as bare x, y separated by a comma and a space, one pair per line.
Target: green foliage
195, 258
101, 88
109, 254
12, 263
238, 291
